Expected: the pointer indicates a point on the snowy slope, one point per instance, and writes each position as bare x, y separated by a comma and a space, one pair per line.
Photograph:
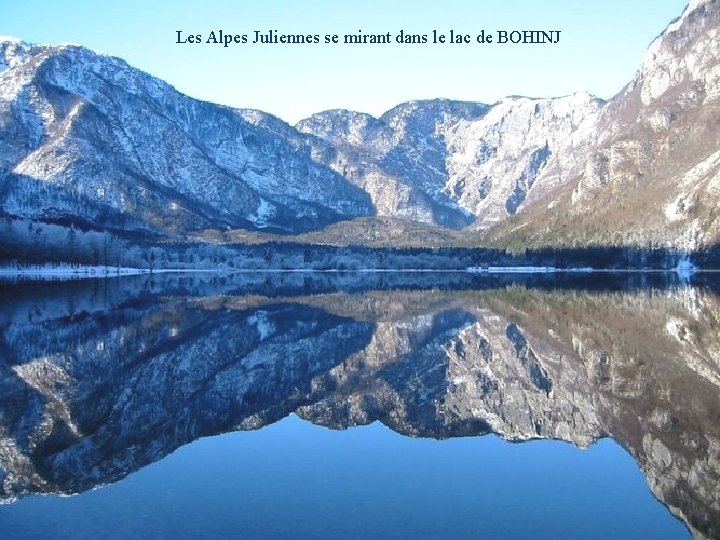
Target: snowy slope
453, 163
87, 135
86, 138
650, 173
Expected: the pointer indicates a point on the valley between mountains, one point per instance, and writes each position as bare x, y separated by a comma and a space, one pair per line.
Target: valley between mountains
101, 163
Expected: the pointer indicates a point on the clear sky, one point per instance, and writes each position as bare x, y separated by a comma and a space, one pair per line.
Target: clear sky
601, 46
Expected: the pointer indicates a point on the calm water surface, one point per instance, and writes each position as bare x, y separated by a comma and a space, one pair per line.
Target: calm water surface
322, 406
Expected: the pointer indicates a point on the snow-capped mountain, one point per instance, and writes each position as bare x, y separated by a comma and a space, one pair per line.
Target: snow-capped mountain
86, 139
453, 163
651, 171
87, 136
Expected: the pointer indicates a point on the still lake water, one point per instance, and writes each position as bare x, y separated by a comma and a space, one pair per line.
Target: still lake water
350, 405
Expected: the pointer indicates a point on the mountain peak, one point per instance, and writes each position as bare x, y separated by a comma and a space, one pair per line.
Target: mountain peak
10, 39
694, 4
12, 50
87, 135
686, 53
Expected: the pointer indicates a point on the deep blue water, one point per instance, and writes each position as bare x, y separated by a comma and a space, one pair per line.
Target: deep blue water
296, 480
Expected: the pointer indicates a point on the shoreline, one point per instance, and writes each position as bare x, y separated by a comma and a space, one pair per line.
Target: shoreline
43, 272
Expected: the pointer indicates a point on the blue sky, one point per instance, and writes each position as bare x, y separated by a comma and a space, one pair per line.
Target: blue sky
600, 48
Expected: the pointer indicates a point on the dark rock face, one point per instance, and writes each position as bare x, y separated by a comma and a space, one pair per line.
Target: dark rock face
100, 379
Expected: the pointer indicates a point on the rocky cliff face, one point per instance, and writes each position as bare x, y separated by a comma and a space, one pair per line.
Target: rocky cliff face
452, 164
652, 168
98, 382
86, 138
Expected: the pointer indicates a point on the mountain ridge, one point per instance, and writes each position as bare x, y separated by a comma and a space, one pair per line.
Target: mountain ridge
87, 138
641, 171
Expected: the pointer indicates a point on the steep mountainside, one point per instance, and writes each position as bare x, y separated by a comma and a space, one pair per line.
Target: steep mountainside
451, 163
86, 136
87, 140
652, 172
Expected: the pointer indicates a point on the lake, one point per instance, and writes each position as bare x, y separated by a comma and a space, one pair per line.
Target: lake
325, 405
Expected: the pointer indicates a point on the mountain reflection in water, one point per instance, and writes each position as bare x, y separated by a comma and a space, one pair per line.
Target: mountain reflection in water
102, 377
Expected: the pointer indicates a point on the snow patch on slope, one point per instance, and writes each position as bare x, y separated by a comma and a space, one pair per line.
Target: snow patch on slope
263, 214
264, 325
520, 147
